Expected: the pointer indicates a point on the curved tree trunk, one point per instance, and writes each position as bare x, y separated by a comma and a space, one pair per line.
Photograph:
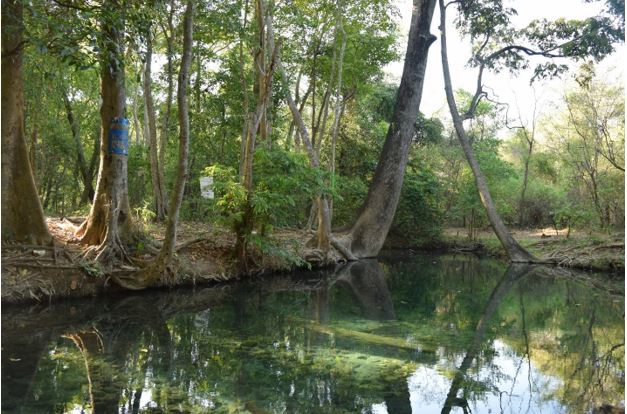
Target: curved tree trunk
370, 229
515, 251
158, 186
108, 225
22, 215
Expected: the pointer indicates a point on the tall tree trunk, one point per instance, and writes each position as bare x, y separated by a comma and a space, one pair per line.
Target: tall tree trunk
167, 252
371, 227
515, 252
163, 139
108, 225
521, 206
158, 186
22, 215
32, 150
323, 234
162, 267
339, 105
88, 193
137, 128
263, 80
245, 101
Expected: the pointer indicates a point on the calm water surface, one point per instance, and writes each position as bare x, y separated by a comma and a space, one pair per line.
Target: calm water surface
411, 334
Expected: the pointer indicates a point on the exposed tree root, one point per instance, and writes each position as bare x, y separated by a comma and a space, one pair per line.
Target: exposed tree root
340, 245
159, 272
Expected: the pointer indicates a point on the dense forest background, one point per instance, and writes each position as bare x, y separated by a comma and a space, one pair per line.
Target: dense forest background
563, 168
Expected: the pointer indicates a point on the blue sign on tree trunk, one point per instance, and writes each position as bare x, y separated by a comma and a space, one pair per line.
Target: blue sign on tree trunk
118, 136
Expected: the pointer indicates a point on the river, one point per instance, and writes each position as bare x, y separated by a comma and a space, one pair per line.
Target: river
406, 333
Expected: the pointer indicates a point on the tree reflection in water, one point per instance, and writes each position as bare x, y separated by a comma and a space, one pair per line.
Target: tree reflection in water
368, 337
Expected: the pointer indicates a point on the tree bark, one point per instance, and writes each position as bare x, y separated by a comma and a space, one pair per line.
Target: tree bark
371, 227
158, 186
521, 207
515, 252
167, 251
244, 87
162, 267
323, 234
264, 69
22, 215
339, 106
86, 177
108, 225
163, 139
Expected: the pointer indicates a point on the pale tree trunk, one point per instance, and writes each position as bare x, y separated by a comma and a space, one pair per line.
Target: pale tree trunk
137, 128
368, 233
162, 268
158, 186
339, 105
163, 139
530, 139
515, 252
88, 193
22, 215
109, 225
323, 234
244, 87
521, 207
263, 76
167, 251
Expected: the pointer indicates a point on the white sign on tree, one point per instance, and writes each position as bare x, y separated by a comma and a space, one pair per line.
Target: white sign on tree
206, 187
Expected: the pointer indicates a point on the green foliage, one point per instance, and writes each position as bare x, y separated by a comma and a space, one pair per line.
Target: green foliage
419, 215
284, 185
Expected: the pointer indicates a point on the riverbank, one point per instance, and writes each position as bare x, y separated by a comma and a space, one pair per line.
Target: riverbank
204, 251
580, 250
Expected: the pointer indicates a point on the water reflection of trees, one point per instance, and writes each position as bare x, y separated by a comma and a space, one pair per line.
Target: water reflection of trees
285, 344
556, 334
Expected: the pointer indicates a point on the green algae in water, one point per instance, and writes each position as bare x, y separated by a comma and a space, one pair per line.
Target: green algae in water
405, 336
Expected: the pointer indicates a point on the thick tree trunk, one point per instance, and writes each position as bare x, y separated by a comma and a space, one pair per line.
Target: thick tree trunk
86, 177
370, 229
108, 225
22, 215
158, 186
515, 252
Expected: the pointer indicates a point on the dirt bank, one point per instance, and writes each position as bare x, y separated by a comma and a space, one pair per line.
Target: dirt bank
581, 250
32, 273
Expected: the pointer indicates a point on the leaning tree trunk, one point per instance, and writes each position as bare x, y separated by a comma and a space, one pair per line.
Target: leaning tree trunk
371, 227
108, 225
515, 251
22, 215
158, 186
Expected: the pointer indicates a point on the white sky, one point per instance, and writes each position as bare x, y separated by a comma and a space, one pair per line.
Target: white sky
514, 90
